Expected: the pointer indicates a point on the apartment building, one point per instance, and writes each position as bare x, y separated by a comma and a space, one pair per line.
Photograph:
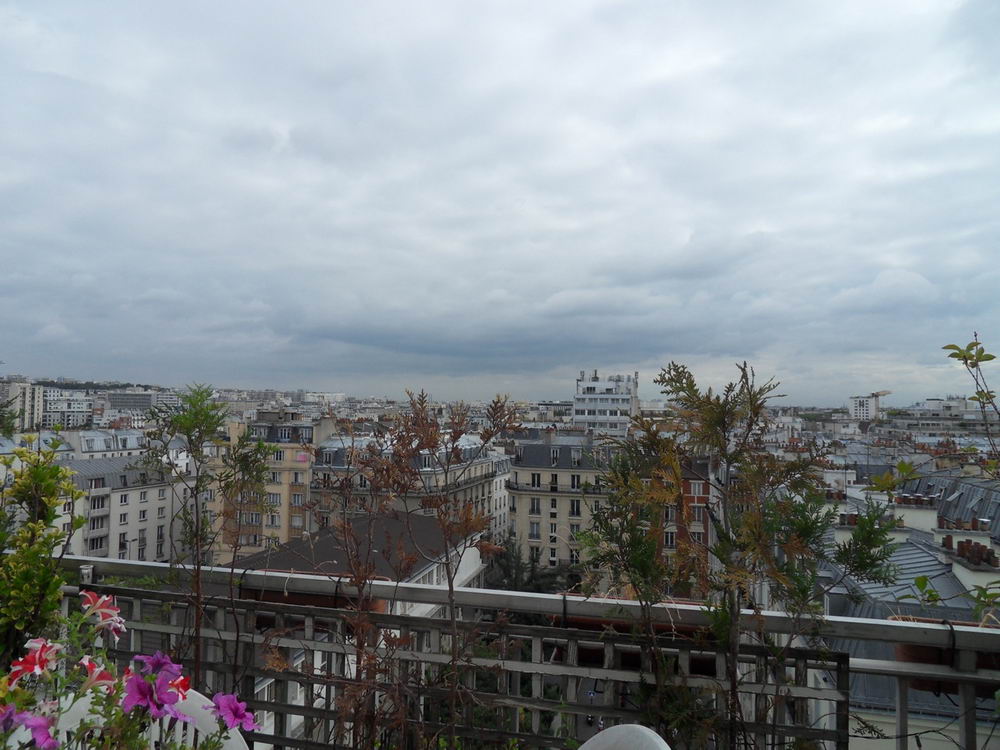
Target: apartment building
555, 486
67, 408
475, 476
27, 402
251, 524
130, 512
606, 405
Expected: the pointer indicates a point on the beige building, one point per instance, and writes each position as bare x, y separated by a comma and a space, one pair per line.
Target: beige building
477, 477
555, 486
282, 513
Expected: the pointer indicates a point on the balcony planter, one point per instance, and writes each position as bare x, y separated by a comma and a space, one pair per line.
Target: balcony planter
914, 654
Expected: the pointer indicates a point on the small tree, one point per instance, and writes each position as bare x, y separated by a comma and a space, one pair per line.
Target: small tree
232, 473
770, 528
31, 545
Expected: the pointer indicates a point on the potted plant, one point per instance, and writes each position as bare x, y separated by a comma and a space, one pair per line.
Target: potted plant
68, 694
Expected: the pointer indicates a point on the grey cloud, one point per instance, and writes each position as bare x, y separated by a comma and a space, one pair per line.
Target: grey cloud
496, 194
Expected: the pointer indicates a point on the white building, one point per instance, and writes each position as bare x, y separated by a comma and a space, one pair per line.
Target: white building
28, 403
866, 408
606, 405
130, 512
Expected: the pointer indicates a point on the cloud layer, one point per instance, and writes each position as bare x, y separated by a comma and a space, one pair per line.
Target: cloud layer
491, 196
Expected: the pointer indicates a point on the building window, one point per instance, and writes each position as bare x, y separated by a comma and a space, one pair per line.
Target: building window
698, 537
98, 523
513, 504
161, 493
552, 533
536, 479
122, 518
96, 544
273, 520
284, 433
534, 531
554, 503
536, 554
274, 498
697, 488
123, 499
97, 483
574, 506
670, 540
574, 481
278, 456
142, 496
574, 557
159, 533
296, 522
536, 507
554, 456
68, 507
574, 531
159, 549
275, 477
142, 515
698, 513
297, 499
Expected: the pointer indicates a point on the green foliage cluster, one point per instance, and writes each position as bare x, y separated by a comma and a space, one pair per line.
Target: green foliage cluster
30, 578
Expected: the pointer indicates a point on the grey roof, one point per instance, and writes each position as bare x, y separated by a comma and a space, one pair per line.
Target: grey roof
401, 545
112, 469
916, 557
963, 498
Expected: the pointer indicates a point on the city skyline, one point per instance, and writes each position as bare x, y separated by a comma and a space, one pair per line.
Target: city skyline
481, 198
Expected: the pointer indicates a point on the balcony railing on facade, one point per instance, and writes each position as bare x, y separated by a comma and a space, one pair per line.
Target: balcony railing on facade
536, 685
548, 487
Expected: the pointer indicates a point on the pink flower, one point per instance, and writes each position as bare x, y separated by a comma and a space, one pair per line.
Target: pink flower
159, 663
8, 717
40, 728
40, 657
156, 697
97, 676
108, 614
233, 712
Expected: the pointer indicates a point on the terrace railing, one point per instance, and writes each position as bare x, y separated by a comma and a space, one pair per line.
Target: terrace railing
537, 670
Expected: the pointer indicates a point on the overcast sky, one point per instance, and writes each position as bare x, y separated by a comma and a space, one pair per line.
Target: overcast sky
475, 197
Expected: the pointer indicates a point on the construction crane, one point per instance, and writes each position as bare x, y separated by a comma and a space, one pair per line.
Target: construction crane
879, 394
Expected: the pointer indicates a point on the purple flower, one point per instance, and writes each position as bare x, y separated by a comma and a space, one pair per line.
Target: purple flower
156, 697
233, 712
159, 663
40, 728
8, 718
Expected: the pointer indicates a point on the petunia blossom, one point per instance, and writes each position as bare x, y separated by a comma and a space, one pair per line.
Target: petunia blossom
41, 656
156, 697
8, 717
159, 663
40, 728
108, 614
233, 712
97, 676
